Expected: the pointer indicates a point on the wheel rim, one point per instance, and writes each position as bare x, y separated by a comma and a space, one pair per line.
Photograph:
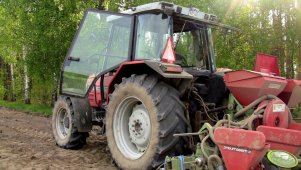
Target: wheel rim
132, 128
63, 123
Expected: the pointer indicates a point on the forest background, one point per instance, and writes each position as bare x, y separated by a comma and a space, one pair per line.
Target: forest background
35, 36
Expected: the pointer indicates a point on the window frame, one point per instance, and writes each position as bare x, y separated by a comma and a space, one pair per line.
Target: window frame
135, 58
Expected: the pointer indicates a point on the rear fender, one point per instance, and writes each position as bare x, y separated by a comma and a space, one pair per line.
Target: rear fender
126, 69
82, 114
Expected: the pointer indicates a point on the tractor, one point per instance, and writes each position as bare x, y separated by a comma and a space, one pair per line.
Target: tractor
147, 77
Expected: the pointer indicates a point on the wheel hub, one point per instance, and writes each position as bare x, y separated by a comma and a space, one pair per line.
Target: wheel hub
132, 127
66, 122
139, 127
63, 123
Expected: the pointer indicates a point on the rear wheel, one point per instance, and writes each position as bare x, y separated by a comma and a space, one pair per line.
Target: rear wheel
143, 114
64, 128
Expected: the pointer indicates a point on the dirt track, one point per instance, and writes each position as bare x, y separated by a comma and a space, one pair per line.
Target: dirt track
26, 142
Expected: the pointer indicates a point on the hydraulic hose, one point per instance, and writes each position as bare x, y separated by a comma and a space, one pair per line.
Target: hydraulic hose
256, 112
253, 104
219, 161
203, 147
290, 117
246, 123
251, 120
210, 130
223, 121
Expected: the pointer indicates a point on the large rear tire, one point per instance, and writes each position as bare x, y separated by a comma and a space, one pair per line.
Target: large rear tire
143, 114
64, 128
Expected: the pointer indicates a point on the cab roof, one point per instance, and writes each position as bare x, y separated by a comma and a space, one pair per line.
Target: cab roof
190, 14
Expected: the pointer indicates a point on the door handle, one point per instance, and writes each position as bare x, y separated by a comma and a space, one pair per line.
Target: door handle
74, 59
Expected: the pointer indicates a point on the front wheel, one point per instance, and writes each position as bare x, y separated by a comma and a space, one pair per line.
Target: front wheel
143, 114
64, 127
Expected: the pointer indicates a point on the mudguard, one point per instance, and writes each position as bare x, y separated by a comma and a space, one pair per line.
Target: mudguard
83, 114
126, 69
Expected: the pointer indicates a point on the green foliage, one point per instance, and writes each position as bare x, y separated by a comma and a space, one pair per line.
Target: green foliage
296, 113
37, 34
2, 89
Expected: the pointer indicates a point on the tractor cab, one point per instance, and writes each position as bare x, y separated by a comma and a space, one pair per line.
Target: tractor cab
189, 29
105, 40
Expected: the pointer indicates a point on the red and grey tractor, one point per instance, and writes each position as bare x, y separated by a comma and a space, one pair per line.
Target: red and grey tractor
147, 77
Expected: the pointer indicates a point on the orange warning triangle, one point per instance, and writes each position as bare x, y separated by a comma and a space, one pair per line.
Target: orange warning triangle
168, 55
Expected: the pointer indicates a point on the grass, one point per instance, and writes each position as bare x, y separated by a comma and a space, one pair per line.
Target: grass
42, 109
297, 113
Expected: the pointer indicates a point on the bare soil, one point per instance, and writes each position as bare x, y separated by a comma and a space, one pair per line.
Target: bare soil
26, 142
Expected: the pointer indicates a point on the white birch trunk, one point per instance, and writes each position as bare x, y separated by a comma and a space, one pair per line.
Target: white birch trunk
26, 80
12, 82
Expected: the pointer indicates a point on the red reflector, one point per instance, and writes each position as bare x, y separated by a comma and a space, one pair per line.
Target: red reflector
173, 69
168, 55
170, 68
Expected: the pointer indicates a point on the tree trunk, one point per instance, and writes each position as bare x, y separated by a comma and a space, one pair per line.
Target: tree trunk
2, 76
54, 89
100, 5
298, 26
278, 46
9, 94
5, 81
26, 79
299, 61
289, 49
13, 95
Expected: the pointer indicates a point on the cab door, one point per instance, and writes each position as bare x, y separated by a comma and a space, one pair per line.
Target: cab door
102, 42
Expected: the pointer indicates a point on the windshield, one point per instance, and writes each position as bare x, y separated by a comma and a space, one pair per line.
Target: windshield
102, 42
192, 41
153, 30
